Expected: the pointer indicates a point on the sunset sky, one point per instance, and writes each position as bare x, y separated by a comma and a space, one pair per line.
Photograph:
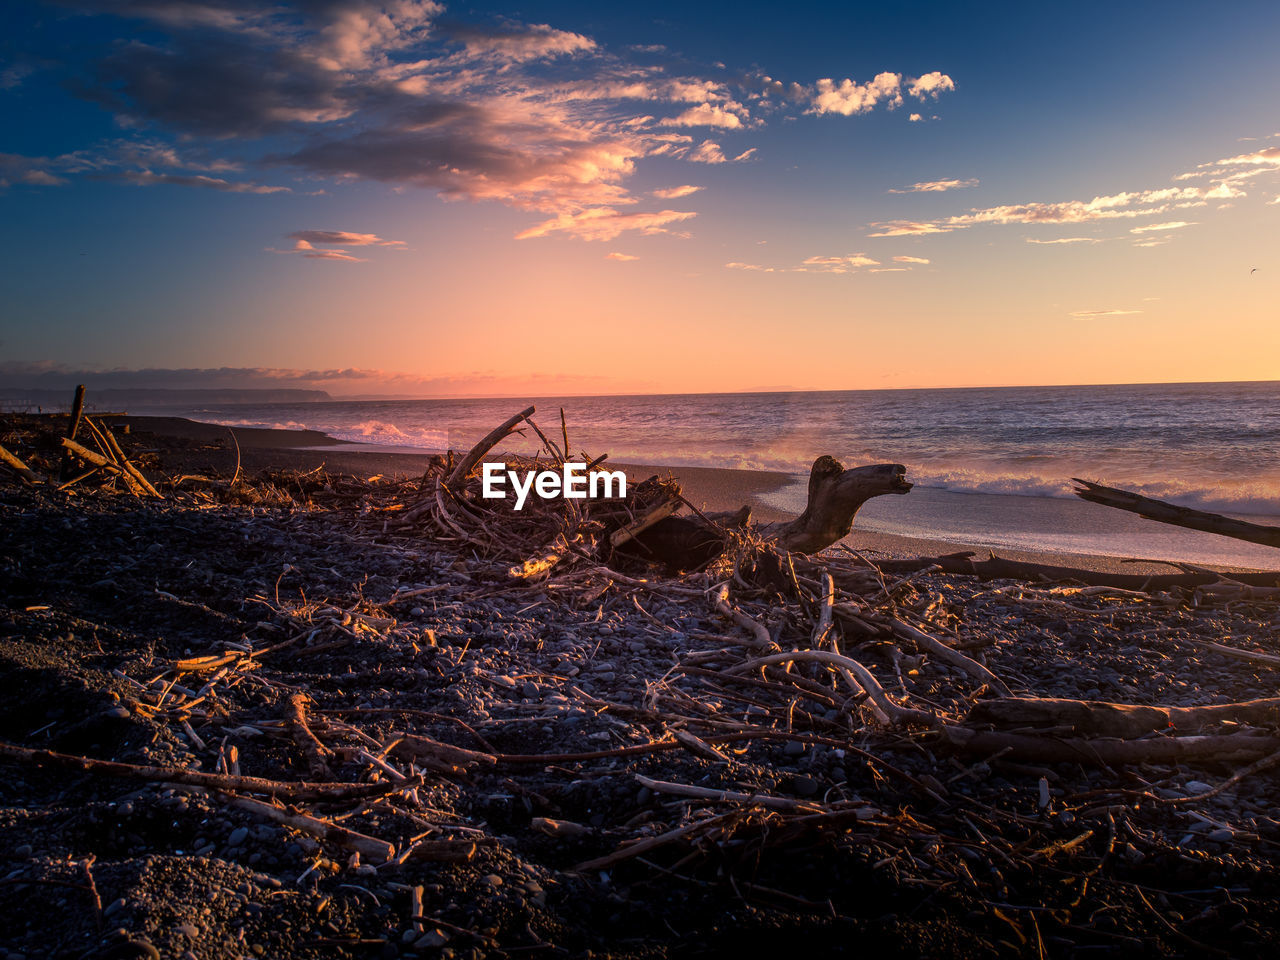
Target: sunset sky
423, 198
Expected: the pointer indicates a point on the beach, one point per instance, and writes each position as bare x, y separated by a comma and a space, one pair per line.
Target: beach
307, 703
772, 495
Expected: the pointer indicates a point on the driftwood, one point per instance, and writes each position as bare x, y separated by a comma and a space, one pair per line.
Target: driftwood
1046, 749
1000, 568
195, 778
1178, 516
835, 494
21, 469
1098, 718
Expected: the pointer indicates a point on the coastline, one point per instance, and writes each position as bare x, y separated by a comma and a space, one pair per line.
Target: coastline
206, 447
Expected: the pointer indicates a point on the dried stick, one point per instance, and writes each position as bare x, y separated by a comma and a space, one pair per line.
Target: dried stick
1047, 749
311, 747
853, 671
763, 639
649, 843
278, 788
952, 656
369, 847
494, 437
785, 804
825, 613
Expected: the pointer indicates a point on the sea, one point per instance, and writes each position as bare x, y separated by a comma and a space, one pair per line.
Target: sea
992, 466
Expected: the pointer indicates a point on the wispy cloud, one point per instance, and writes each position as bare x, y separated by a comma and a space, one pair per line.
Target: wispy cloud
344, 238
1059, 240
675, 193
709, 152
326, 244
936, 186
604, 223
1095, 314
1154, 227
849, 263
1127, 205
621, 257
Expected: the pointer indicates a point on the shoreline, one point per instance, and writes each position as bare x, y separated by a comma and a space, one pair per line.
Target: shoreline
710, 488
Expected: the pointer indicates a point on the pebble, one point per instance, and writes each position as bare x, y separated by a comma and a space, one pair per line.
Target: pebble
807, 787
1197, 786
794, 748
189, 930
1221, 835
238, 836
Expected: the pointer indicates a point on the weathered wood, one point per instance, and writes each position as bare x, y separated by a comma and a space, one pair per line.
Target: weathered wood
371, 848
1100, 718
1178, 516
1048, 749
73, 427
492, 439
835, 494
21, 469
1000, 568
88, 456
276, 788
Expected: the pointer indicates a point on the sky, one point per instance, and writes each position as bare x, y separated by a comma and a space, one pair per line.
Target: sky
434, 199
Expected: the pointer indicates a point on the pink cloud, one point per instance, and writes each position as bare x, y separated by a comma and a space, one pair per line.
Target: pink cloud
604, 223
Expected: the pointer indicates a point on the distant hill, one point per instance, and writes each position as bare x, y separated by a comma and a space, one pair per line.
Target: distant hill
133, 399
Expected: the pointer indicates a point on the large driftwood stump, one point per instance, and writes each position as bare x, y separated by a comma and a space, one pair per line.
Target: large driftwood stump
835, 494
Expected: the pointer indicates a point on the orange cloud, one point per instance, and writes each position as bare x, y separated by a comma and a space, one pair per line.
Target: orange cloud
621, 257
605, 223
675, 193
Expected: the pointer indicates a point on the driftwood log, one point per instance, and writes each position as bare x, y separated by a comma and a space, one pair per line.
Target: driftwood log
1178, 516
835, 495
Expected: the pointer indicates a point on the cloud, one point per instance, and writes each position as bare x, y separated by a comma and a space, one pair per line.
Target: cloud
906, 228
675, 193
1171, 225
332, 255
621, 257
915, 118
1127, 205
850, 263
343, 238
604, 223
1094, 314
530, 115
930, 85
1062, 240
709, 152
708, 115
520, 42
936, 186
849, 97
145, 178
837, 264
